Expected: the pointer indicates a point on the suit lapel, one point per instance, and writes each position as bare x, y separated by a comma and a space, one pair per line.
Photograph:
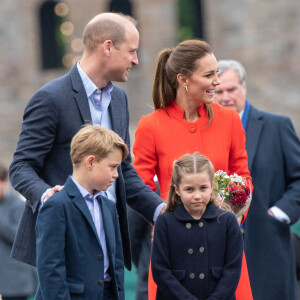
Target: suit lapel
114, 112
80, 96
79, 202
108, 226
254, 127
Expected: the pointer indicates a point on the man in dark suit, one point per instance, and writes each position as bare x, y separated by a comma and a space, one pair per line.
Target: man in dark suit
274, 162
41, 163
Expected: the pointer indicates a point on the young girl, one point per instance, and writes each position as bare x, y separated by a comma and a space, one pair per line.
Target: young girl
197, 248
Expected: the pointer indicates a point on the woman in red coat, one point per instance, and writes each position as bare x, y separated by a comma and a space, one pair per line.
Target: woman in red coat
186, 120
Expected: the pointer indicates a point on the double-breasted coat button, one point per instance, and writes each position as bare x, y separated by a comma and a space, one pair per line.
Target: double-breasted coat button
201, 249
188, 225
192, 275
190, 251
100, 256
100, 282
201, 224
201, 276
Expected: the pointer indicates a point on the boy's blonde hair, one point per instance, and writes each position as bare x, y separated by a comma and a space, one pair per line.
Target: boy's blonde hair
189, 164
97, 141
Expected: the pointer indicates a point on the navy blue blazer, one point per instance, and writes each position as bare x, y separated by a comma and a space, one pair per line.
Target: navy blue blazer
274, 162
52, 117
196, 259
70, 260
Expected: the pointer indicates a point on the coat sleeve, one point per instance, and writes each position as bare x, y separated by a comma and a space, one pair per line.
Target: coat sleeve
50, 246
145, 158
238, 158
231, 272
290, 145
35, 142
161, 265
138, 195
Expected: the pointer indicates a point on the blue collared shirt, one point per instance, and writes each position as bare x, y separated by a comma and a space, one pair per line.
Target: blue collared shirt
95, 210
99, 113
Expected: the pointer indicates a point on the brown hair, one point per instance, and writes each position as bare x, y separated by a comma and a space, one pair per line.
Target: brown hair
104, 27
97, 141
3, 173
189, 164
171, 62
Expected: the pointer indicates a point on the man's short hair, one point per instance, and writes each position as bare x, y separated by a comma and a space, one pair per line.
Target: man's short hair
230, 64
102, 28
97, 141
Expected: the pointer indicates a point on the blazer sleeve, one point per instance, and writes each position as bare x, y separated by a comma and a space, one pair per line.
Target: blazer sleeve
161, 265
290, 145
231, 271
119, 261
35, 142
50, 246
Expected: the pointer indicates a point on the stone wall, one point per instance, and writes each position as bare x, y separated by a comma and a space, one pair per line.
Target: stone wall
260, 34
264, 37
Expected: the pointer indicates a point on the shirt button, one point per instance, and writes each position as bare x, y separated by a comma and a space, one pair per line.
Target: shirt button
201, 224
201, 249
201, 276
192, 275
100, 282
190, 251
100, 257
188, 225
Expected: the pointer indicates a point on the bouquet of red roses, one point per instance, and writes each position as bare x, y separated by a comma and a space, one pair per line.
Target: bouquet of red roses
234, 191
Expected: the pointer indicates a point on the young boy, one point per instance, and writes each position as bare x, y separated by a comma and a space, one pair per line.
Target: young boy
79, 248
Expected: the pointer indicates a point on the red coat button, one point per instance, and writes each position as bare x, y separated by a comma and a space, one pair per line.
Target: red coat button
193, 129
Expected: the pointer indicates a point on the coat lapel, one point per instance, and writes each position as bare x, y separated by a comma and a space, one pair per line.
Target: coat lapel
80, 96
254, 127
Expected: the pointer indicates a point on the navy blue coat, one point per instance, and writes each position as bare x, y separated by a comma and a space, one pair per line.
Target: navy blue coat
196, 259
70, 260
274, 162
52, 117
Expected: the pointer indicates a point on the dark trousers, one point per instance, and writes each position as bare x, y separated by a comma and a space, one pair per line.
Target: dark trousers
108, 293
140, 238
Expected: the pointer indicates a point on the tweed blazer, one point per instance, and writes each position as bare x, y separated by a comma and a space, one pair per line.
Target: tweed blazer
52, 117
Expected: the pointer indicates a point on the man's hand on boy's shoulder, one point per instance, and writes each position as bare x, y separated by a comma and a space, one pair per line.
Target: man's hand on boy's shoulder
50, 192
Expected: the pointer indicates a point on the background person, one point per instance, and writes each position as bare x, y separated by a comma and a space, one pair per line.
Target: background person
56, 112
197, 248
187, 120
274, 162
17, 280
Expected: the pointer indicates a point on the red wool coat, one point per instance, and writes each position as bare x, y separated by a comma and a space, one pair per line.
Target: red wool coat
163, 136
